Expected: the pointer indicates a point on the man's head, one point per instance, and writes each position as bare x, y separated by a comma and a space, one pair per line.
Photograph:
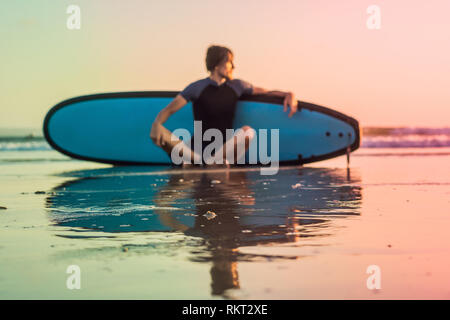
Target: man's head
220, 60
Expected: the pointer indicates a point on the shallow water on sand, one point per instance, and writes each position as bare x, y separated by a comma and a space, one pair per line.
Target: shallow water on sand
159, 233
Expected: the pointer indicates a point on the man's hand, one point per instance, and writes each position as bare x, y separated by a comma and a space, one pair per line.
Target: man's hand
289, 100
156, 134
158, 131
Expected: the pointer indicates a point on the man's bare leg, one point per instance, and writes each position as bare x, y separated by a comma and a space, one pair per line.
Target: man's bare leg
234, 142
248, 137
169, 141
168, 144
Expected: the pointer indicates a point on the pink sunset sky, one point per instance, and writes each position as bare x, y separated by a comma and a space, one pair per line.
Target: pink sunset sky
323, 51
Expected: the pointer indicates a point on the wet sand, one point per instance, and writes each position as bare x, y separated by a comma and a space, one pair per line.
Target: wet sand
306, 233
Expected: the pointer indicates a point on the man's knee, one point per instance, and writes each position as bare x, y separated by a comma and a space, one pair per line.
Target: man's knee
249, 133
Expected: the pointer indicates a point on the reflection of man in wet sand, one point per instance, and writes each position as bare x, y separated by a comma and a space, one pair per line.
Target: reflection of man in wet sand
215, 193
226, 193
329, 194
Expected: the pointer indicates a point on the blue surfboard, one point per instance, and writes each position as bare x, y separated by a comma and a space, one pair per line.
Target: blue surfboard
115, 127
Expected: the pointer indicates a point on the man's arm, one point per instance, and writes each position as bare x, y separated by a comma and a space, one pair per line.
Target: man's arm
156, 134
289, 98
176, 104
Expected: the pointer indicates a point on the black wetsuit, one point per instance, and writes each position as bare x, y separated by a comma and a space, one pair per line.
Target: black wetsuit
214, 104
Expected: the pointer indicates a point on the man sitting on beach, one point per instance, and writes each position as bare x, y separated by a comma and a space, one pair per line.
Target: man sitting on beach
214, 103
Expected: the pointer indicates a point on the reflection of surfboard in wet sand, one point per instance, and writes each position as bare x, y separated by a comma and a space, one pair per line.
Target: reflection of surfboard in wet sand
247, 208
114, 128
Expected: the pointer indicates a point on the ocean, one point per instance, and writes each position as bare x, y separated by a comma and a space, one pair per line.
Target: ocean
372, 137
309, 232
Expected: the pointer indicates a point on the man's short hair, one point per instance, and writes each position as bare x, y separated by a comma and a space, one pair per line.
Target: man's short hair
216, 55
